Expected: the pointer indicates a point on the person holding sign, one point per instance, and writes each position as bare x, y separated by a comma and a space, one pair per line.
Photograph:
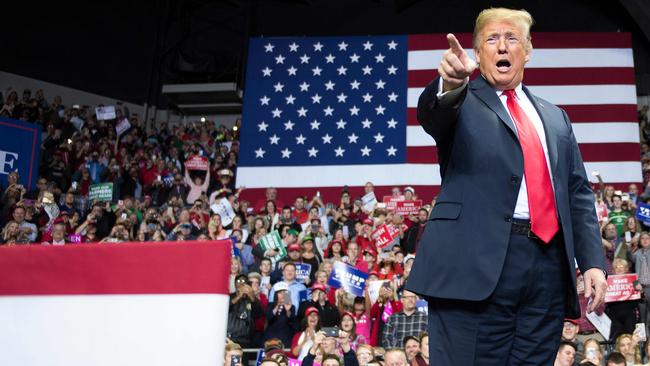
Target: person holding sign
512, 172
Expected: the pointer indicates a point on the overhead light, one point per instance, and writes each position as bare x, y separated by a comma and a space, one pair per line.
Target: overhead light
202, 119
235, 128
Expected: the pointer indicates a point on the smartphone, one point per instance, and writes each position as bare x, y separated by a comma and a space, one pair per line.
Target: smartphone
628, 236
590, 353
124, 216
331, 331
235, 360
74, 185
639, 329
287, 298
346, 232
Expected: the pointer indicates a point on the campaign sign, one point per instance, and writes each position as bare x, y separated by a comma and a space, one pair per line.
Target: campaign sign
19, 151
408, 208
122, 126
621, 288
101, 192
197, 162
273, 240
105, 112
422, 306
302, 271
643, 213
369, 201
294, 362
260, 357
350, 279
391, 202
224, 209
384, 235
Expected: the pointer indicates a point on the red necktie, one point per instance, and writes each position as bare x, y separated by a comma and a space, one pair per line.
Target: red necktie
541, 201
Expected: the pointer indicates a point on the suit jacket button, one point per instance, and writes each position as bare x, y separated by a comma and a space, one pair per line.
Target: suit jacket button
507, 218
514, 179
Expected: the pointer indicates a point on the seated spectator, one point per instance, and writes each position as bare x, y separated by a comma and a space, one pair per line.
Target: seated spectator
565, 354
570, 334
408, 322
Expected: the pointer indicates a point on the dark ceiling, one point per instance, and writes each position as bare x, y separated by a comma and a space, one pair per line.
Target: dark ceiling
126, 50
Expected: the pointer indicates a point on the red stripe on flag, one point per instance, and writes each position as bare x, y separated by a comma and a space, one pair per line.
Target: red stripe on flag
539, 39
610, 152
577, 113
422, 155
125, 268
591, 152
548, 76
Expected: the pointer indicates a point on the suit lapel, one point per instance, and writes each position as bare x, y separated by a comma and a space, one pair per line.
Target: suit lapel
551, 138
486, 93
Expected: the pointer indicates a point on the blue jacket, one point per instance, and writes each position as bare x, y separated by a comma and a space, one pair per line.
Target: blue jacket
481, 164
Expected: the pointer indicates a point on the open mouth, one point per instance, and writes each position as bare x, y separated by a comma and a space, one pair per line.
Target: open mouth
503, 65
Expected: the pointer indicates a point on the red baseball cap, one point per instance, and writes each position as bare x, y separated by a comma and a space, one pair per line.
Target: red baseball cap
293, 247
318, 286
310, 310
368, 221
572, 321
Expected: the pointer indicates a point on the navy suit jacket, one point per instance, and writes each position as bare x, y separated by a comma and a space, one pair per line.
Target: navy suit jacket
464, 245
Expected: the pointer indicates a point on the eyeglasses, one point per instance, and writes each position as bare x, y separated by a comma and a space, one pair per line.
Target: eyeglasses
241, 280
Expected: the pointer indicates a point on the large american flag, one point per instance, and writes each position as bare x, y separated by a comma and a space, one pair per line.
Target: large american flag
321, 113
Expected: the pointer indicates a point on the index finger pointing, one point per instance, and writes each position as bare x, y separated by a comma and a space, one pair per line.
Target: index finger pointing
454, 45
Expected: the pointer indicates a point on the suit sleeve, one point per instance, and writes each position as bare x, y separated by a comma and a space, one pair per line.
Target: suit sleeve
586, 233
437, 118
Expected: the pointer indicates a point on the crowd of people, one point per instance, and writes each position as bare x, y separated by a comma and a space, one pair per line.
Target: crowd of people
275, 305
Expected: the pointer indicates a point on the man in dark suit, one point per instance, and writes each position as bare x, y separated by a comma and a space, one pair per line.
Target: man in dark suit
496, 259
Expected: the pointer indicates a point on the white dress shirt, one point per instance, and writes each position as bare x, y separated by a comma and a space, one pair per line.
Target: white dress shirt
450, 97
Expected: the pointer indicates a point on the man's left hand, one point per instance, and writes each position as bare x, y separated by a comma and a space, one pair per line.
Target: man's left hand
596, 284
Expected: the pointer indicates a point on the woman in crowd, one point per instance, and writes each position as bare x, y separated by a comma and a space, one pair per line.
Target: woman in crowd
271, 213
11, 234
335, 251
628, 346
303, 340
593, 352
422, 358
349, 325
310, 256
215, 229
386, 305
198, 186
365, 354
622, 313
235, 270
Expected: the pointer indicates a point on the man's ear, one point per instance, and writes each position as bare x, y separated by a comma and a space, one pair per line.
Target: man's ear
477, 56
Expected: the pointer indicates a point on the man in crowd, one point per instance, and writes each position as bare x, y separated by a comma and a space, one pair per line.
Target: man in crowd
395, 357
566, 354
414, 233
296, 289
411, 347
408, 322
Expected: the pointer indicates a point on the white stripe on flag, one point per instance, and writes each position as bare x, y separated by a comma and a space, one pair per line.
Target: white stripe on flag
566, 94
338, 175
608, 132
541, 57
392, 174
161, 330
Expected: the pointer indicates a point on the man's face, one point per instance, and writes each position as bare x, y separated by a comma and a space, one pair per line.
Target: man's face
502, 54
58, 232
369, 187
353, 249
617, 202
395, 359
300, 203
569, 331
294, 255
633, 189
19, 214
412, 347
408, 300
289, 273
286, 213
610, 231
565, 356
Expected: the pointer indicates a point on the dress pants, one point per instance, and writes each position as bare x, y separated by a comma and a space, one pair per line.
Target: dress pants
519, 324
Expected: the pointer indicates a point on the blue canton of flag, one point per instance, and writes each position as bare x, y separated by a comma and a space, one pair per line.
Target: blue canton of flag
325, 101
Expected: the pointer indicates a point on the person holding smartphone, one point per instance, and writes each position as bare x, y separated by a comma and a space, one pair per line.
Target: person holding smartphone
281, 318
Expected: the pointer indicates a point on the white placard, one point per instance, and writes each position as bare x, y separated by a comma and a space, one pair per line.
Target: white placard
105, 112
373, 290
369, 201
602, 323
122, 126
224, 209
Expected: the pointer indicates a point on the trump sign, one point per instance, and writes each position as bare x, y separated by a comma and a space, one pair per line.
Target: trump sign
19, 151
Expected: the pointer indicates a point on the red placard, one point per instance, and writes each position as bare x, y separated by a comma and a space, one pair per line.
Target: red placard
408, 208
384, 235
197, 162
391, 202
621, 288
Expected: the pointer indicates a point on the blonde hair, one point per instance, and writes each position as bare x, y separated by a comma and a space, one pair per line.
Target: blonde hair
519, 18
637, 350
